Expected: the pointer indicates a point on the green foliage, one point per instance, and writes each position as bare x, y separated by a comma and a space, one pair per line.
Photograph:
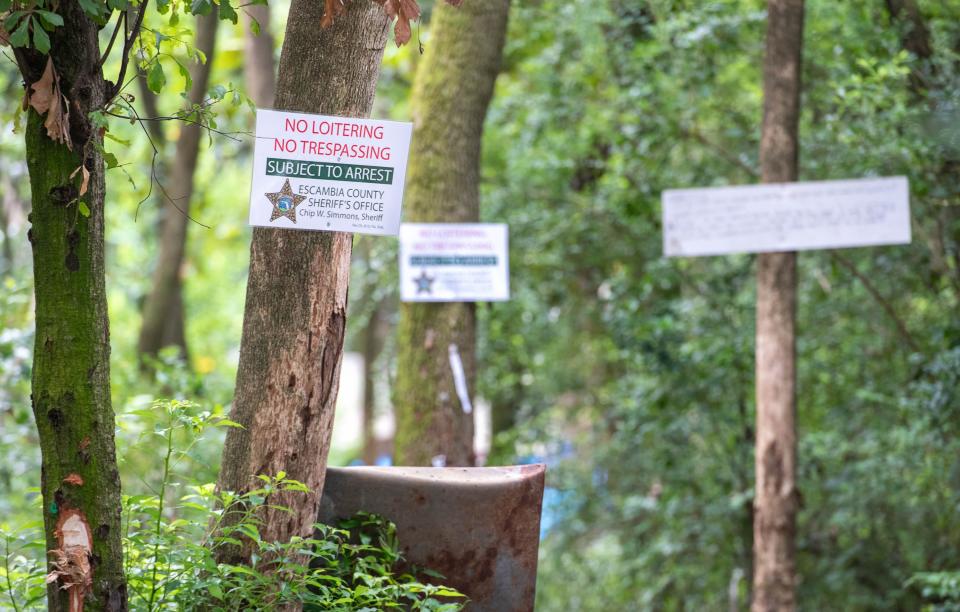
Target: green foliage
169, 548
631, 374
942, 589
648, 422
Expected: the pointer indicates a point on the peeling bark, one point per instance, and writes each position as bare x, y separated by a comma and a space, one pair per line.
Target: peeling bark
71, 559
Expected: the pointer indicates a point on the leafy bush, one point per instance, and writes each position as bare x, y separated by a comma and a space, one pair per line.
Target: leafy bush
941, 589
170, 549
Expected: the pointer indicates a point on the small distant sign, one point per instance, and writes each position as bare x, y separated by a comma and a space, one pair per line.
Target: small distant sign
338, 174
448, 262
786, 217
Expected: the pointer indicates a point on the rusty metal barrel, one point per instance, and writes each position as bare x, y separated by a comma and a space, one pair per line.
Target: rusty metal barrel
479, 527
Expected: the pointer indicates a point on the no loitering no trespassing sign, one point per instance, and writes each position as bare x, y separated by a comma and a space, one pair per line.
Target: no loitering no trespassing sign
338, 174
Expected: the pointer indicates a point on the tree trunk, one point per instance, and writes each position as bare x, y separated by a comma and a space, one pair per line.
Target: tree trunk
163, 312
452, 90
295, 313
925, 79
258, 68
775, 505
71, 368
374, 338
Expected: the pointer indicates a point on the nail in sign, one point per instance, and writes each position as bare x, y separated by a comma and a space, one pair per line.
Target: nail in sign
338, 174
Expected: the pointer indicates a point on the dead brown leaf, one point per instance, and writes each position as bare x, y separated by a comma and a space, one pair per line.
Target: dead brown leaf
85, 180
41, 92
404, 11
45, 97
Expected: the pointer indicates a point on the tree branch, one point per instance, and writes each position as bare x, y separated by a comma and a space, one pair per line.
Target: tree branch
695, 134
131, 35
872, 290
121, 20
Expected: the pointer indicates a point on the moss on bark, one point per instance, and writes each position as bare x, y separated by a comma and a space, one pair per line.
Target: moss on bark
452, 90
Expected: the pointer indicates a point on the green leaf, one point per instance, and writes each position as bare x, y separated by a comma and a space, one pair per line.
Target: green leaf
117, 139
111, 160
90, 7
155, 77
84, 209
21, 36
227, 12
188, 80
40, 38
5, 5
49, 18
201, 7
254, 27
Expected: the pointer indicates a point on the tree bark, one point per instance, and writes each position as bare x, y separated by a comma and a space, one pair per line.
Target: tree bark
71, 368
452, 90
775, 504
258, 65
163, 311
295, 313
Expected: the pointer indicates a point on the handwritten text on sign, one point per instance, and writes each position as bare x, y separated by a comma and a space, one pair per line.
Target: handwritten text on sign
448, 262
786, 217
328, 173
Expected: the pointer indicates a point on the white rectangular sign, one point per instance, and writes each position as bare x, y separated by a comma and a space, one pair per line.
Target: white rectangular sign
328, 173
448, 262
786, 217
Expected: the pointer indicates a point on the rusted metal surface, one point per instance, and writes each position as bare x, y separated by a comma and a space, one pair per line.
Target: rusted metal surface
479, 527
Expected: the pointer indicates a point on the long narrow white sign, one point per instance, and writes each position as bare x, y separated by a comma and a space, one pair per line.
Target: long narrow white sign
786, 217
337, 174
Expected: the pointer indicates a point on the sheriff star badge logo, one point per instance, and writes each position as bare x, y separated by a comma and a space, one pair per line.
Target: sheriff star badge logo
285, 202
424, 283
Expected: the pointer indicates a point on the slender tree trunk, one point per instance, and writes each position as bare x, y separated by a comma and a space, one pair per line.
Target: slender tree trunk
373, 339
71, 368
295, 314
258, 65
452, 90
163, 311
924, 80
775, 505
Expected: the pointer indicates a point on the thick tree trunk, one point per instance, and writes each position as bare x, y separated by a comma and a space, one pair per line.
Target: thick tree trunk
163, 311
258, 65
776, 501
295, 313
451, 93
71, 368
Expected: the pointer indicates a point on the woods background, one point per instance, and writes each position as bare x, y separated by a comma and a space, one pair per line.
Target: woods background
631, 375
